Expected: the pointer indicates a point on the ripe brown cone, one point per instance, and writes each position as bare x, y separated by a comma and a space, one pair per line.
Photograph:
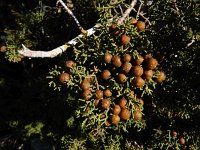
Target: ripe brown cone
86, 94
69, 64
126, 67
115, 119
137, 115
133, 21
99, 94
85, 84
114, 30
122, 102
182, 140
139, 60
96, 102
125, 39
116, 60
140, 26
151, 63
64, 78
125, 114
116, 109
105, 103
106, 74
148, 74
139, 82
137, 71
160, 77
107, 57
126, 57
107, 93
3, 48
122, 78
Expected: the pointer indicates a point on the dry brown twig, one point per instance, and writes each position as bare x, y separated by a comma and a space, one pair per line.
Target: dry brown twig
26, 52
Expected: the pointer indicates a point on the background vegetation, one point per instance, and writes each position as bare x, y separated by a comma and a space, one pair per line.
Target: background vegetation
33, 113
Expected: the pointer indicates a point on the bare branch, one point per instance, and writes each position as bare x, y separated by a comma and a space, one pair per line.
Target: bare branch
146, 19
191, 42
127, 12
53, 53
121, 10
70, 13
138, 12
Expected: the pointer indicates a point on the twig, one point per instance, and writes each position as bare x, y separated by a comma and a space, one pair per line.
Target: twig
121, 10
70, 13
138, 12
191, 42
127, 12
146, 19
53, 53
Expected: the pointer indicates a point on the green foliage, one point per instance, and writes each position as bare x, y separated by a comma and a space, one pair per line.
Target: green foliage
12, 55
166, 140
52, 74
33, 129
73, 144
171, 36
29, 27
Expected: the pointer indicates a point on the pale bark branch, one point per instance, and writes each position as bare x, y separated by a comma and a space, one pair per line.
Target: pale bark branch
127, 12
55, 52
191, 42
121, 10
140, 14
70, 13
